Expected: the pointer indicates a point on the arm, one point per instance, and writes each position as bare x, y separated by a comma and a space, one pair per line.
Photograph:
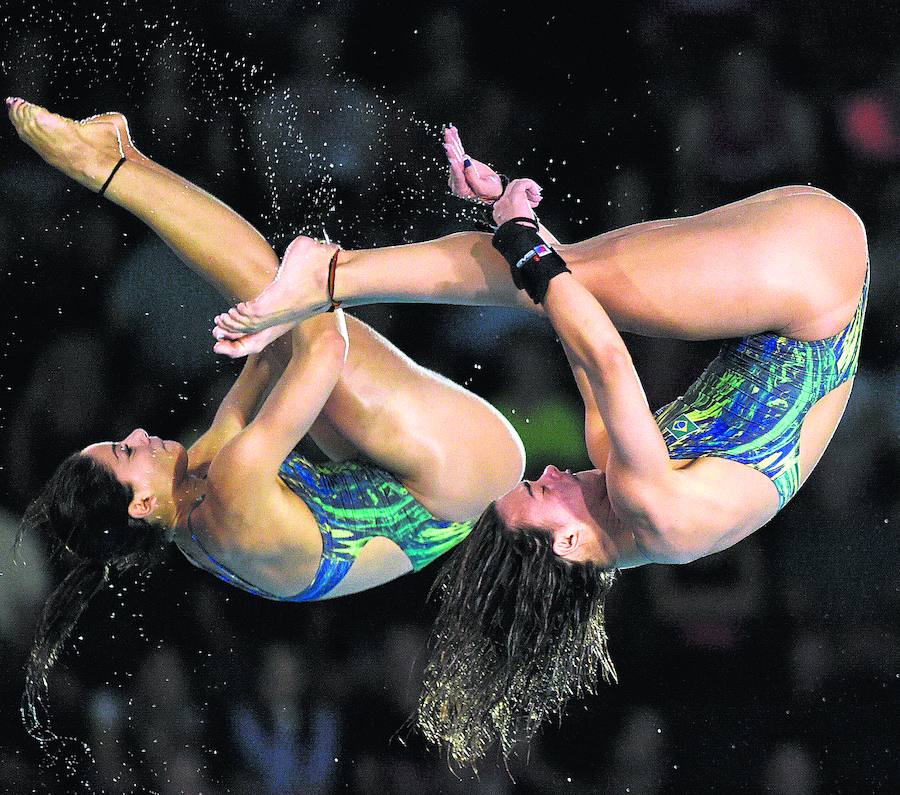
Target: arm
318, 349
595, 435
258, 376
596, 351
637, 450
477, 181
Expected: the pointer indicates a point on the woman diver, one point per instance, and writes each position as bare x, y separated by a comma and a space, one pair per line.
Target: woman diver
784, 274
414, 456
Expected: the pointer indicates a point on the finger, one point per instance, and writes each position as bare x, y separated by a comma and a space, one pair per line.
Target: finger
233, 349
225, 323
452, 144
522, 184
454, 139
451, 153
457, 179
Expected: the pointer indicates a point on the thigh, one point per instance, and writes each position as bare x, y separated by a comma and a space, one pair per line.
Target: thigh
790, 260
453, 450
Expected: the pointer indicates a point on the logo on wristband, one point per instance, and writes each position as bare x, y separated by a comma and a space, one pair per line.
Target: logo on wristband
536, 253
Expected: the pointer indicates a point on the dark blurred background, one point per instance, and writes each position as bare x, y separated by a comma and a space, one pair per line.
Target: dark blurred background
772, 667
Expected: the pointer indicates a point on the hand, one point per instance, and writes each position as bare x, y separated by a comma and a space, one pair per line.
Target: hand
476, 181
519, 201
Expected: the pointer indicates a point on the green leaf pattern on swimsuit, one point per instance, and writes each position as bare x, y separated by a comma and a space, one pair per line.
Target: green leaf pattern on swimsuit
750, 403
356, 501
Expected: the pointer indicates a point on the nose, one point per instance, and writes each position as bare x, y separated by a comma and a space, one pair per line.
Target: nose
551, 472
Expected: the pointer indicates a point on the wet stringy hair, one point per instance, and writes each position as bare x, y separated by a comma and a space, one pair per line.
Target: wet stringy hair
83, 513
519, 632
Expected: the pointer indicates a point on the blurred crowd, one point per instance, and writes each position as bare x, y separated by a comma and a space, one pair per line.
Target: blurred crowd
772, 667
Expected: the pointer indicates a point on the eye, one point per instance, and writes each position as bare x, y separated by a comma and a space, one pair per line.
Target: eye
127, 449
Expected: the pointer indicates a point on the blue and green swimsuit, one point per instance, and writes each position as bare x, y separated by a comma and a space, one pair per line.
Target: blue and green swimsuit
354, 502
750, 403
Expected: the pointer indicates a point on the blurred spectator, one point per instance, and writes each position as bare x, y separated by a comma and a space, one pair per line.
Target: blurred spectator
166, 719
748, 134
287, 738
790, 770
113, 769
165, 311
868, 122
641, 761
316, 133
25, 581
64, 403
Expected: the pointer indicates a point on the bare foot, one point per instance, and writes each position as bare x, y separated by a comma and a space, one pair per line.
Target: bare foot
299, 290
86, 152
129, 150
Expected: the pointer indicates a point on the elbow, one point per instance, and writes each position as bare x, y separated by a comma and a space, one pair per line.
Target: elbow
609, 359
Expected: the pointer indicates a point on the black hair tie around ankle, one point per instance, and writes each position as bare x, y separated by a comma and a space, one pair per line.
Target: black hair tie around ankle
111, 175
332, 267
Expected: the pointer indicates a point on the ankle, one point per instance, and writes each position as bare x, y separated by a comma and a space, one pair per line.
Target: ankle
341, 284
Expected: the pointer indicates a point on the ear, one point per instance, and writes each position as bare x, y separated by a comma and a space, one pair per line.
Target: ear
566, 540
142, 505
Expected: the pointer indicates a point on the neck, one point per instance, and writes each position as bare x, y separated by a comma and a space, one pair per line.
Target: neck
615, 545
187, 494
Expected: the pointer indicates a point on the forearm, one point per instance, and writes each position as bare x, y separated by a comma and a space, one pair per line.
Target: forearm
259, 374
300, 393
592, 342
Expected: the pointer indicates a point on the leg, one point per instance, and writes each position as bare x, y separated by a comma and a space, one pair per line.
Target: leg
454, 451
790, 260
450, 448
206, 234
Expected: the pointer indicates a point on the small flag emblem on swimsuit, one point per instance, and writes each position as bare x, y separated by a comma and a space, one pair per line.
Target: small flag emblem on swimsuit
680, 427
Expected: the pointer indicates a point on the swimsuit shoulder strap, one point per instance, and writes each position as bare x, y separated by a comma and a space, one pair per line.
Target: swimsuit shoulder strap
220, 569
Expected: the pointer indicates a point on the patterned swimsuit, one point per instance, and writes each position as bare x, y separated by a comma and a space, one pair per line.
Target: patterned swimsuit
750, 403
354, 502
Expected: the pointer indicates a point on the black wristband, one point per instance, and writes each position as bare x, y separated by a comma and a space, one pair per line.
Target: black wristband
532, 262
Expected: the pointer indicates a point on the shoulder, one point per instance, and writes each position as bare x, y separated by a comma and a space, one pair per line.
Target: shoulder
698, 510
245, 464
251, 508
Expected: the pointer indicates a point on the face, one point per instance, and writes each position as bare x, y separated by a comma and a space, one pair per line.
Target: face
148, 464
573, 505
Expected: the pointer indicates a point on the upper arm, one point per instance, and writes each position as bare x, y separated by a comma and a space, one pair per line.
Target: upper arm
596, 436
594, 346
689, 514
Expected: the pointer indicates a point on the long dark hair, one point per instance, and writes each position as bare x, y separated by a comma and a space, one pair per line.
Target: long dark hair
83, 514
520, 631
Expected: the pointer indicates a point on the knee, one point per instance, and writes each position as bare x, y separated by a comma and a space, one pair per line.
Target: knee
830, 228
